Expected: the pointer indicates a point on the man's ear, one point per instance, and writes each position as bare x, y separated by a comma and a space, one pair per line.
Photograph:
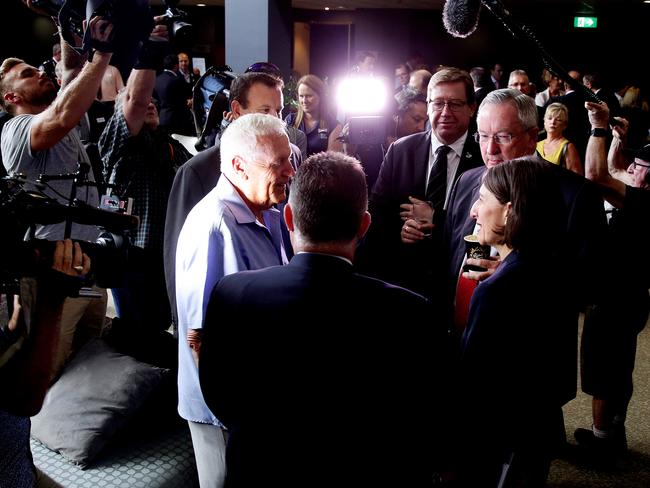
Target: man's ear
288, 217
364, 225
11, 97
239, 166
236, 108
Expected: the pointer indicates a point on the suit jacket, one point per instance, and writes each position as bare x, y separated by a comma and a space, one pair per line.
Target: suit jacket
583, 244
295, 364
403, 173
512, 366
172, 92
586, 224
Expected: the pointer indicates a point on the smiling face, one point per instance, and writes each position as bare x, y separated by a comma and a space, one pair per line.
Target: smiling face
452, 121
309, 100
490, 216
268, 171
184, 62
502, 119
261, 99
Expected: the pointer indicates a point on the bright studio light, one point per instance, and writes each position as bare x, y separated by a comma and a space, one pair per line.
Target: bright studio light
362, 95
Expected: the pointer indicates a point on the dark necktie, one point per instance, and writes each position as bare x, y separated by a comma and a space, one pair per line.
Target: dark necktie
437, 184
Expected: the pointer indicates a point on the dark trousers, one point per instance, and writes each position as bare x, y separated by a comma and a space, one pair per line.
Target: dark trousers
142, 300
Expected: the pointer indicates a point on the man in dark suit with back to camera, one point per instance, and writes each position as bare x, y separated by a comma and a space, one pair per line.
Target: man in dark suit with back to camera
421, 167
312, 389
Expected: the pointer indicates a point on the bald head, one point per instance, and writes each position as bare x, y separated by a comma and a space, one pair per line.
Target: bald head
420, 80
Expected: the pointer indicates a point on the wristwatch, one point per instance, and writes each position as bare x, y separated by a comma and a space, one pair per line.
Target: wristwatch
599, 132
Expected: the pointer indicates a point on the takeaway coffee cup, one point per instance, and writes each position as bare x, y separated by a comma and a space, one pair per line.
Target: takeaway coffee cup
475, 250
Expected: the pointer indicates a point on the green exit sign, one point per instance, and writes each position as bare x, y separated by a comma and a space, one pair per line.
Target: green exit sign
585, 22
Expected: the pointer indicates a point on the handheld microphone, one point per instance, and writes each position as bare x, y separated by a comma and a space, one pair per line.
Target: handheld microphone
460, 17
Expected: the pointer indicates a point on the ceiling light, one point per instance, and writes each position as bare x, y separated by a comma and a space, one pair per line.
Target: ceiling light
327, 8
200, 4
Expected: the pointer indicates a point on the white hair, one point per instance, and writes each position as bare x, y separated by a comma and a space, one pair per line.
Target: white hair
241, 137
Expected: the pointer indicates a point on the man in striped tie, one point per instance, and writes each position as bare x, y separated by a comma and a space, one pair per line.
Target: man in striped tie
421, 169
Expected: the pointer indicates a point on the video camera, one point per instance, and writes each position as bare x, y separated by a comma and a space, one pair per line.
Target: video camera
132, 21
179, 30
211, 96
21, 209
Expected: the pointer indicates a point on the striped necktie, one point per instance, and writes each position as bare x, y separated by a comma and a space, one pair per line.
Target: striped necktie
437, 184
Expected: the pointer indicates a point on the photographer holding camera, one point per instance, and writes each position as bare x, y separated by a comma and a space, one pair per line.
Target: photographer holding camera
41, 138
140, 160
25, 367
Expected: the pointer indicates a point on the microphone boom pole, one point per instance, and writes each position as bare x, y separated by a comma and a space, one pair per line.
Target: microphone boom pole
524, 33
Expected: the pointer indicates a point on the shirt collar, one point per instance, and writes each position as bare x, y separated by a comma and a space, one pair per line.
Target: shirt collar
456, 146
231, 198
326, 254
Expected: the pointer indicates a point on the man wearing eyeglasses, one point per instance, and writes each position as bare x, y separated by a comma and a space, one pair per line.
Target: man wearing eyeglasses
507, 129
421, 168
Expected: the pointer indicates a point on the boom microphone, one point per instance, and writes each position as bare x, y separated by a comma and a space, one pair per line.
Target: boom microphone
460, 17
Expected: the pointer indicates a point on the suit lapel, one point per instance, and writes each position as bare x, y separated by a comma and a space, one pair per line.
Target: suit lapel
471, 157
420, 166
469, 221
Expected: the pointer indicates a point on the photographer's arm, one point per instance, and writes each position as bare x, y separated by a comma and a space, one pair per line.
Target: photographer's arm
596, 168
615, 159
71, 61
142, 80
52, 125
27, 376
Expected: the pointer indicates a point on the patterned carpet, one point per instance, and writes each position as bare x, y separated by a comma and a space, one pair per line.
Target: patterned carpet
634, 470
167, 461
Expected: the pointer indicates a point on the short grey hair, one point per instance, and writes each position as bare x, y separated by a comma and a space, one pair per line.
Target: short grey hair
241, 137
406, 97
525, 105
517, 72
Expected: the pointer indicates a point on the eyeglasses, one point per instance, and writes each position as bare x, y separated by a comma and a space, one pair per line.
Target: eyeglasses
500, 139
268, 68
453, 105
635, 163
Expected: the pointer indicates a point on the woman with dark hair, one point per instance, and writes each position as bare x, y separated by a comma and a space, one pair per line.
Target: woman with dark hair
512, 383
313, 117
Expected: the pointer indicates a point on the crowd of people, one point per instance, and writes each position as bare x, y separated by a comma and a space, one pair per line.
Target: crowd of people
329, 326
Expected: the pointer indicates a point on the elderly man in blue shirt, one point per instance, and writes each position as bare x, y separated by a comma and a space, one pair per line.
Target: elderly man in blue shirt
233, 228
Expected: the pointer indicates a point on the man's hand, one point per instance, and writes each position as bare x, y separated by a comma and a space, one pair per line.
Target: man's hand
490, 265
598, 115
30, 5
407, 208
620, 131
413, 232
69, 259
228, 116
160, 31
194, 338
